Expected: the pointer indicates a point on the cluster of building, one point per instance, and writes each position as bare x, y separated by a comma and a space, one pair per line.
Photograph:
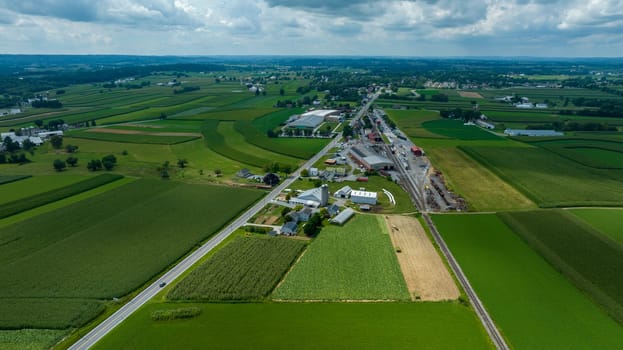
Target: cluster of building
369, 160
523, 102
536, 133
312, 119
35, 136
9, 111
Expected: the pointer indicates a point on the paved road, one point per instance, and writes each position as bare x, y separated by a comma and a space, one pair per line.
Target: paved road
143, 297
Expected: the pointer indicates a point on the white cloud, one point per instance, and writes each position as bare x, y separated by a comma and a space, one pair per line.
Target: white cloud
384, 27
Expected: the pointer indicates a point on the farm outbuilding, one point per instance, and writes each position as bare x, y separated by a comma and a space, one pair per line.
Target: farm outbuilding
343, 192
289, 228
520, 132
342, 217
316, 197
378, 163
363, 197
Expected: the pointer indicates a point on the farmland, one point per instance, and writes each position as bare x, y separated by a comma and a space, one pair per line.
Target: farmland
104, 249
589, 261
363, 265
246, 269
550, 180
595, 152
5, 179
482, 189
534, 306
31, 186
360, 325
456, 130
607, 221
23, 204
29, 339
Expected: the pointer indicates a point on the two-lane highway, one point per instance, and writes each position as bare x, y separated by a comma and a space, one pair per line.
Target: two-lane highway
144, 296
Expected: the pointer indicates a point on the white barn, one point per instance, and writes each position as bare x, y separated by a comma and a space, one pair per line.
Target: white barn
363, 197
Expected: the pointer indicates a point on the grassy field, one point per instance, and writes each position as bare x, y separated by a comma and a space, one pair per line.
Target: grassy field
246, 269
411, 122
353, 262
550, 180
532, 304
309, 326
131, 138
456, 130
5, 179
35, 185
589, 261
482, 189
230, 115
595, 152
23, 204
29, 339
608, 221
108, 245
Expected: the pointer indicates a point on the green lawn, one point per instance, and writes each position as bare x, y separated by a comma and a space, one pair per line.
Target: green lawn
608, 221
353, 262
108, 245
246, 269
304, 326
533, 304
582, 254
550, 180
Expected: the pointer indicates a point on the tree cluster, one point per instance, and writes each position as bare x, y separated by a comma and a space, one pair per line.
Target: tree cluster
107, 162
47, 104
313, 226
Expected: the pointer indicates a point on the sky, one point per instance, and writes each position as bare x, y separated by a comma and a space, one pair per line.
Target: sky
548, 28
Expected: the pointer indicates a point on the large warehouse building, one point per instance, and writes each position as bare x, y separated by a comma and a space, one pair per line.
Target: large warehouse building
363, 197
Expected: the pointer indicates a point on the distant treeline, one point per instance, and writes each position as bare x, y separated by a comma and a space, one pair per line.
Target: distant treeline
186, 89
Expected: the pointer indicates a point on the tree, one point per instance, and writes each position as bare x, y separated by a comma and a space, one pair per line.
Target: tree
57, 141
163, 116
217, 172
71, 148
59, 165
28, 145
285, 211
257, 92
109, 158
347, 131
9, 145
39, 123
94, 165
304, 173
72, 161
108, 165
286, 169
281, 92
164, 170
182, 163
263, 92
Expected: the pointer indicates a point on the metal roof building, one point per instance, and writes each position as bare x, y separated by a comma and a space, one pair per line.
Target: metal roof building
363, 197
342, 217
521, 132
307, 122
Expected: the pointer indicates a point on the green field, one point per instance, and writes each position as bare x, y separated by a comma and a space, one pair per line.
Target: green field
353, 262
608, 221
29, 339
5, 179
23, 204
132, 138
35, 185
595, 152
304, 326
550, 180
582, 254
108, 245
411, 122
246, 269
481, 188
456, 130
532, 304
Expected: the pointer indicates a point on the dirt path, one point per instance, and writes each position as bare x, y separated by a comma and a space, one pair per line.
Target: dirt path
423, 269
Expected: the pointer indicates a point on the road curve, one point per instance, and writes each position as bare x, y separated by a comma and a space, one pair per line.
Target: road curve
144, 296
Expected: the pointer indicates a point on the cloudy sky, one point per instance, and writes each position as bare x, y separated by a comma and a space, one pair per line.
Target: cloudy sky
314, 27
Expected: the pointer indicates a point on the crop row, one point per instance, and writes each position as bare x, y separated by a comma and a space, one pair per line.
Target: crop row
592, 263
18, 206
216, 142
5, 179
246, 269
108, 245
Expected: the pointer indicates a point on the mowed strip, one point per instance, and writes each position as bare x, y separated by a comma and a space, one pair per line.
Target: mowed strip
137, 132
426, 276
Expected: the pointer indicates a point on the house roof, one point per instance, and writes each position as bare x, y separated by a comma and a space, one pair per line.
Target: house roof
343, 216
289, 226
